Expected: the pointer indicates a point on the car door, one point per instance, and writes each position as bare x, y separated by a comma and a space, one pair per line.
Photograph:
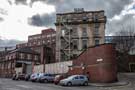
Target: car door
75, 80
81, 79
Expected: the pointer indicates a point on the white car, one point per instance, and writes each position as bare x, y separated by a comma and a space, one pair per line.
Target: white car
75, 80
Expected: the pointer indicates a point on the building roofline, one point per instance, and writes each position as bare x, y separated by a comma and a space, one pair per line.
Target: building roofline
80, 12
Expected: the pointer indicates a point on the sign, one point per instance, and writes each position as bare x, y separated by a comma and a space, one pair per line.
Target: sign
99, 60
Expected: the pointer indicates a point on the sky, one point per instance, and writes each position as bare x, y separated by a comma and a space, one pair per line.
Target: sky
20, 18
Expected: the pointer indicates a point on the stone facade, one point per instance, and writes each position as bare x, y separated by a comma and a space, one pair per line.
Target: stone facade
78, 30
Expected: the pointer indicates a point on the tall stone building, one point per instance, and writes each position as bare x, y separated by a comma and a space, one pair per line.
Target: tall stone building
78, 30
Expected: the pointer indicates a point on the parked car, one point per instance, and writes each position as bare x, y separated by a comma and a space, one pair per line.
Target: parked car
58, 78
75, 80
46, 78
14, 77
20, 77
27, 77
34, 77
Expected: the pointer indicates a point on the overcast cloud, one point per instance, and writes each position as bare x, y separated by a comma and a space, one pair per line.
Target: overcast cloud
20, 18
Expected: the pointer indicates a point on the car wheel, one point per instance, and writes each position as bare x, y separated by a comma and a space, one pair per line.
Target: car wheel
85, 83
69, 84
45, 81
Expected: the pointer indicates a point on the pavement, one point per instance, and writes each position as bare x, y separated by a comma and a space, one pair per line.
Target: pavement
119, 83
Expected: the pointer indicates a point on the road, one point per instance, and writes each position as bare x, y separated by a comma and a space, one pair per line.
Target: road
8, 84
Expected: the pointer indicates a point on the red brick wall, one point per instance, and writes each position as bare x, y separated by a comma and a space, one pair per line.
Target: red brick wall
104, 71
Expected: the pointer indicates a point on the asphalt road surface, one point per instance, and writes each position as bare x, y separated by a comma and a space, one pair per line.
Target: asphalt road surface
8, 84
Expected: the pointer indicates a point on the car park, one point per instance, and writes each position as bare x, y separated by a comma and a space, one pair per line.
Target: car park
75, 80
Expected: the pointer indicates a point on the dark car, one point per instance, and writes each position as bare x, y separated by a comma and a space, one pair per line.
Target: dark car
14, 77
27, 77
20, 77
58, 78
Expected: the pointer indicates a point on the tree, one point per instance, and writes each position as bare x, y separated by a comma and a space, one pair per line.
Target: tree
124, 40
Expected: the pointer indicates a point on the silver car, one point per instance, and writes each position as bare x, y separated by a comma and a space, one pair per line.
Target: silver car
75, 80
46, 78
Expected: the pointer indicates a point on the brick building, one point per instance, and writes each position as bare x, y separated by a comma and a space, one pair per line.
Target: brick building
2, 58
97, 62
22, 57
78, 30
43, 43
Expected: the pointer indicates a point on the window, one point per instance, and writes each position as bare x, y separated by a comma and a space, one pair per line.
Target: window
48, 41
36, 57
63, 32
74, 31
22, 55
81, 77
95, 18
75, 44
96, 32
84, 31
53, 35
34, 42
84, 44
96, 42
43, 41
76, 77
39, 43
29, 56
48, 35
9, 65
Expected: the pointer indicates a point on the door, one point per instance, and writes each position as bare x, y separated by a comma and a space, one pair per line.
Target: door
75, 80
28, 69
